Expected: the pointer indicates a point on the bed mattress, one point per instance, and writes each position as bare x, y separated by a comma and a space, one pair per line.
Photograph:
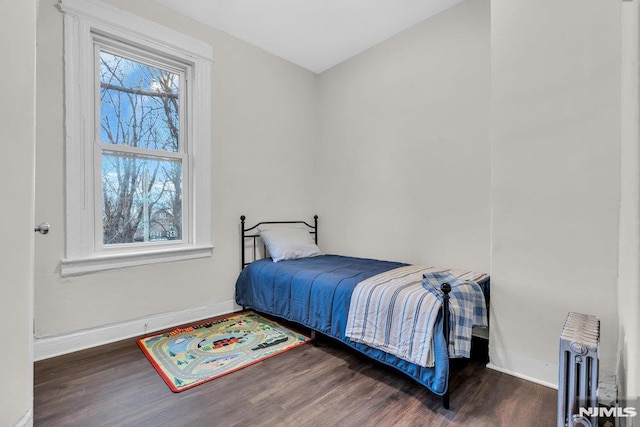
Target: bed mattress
316, 292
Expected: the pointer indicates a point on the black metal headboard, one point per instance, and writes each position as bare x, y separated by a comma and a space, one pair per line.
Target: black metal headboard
249, 233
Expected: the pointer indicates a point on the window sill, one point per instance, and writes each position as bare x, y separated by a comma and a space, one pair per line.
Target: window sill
80, 266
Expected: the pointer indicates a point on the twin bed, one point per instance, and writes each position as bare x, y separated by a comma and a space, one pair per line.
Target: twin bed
317, 290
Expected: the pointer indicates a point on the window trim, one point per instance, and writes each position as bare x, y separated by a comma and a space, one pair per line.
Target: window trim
84, 19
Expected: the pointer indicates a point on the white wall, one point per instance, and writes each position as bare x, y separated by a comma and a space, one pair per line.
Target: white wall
263, 128
17, 135
403, 159
555, 177
629, 275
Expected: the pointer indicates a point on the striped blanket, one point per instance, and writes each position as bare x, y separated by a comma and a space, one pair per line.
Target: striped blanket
466, 304
396, 312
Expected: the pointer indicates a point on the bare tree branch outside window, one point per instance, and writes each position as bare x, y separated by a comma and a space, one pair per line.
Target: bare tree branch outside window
141, 190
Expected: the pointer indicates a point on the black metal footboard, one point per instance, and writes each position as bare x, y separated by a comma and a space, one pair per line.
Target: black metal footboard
446, 330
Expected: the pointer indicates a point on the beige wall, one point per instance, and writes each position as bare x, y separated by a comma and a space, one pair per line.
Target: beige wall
17, 135
404, 155
263, 128
555, 186
629, 274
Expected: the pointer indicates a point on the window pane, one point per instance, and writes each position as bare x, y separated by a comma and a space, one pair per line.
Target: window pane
141, 199
138, 104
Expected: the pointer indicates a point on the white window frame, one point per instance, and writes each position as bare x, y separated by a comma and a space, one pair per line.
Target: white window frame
86, 22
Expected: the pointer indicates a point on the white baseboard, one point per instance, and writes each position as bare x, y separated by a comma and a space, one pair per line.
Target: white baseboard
51, 346
26, 420
522, 376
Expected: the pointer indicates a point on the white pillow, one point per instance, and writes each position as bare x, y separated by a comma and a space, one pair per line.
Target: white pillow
289, 243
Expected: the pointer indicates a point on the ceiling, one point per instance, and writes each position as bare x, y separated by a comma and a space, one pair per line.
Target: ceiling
314, 34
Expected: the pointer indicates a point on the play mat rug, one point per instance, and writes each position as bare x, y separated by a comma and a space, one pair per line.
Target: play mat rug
189, 356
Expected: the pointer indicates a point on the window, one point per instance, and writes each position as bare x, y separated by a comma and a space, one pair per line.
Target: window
141, 152
137, 141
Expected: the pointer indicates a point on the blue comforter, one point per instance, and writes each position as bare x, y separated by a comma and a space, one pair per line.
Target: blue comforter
316, 292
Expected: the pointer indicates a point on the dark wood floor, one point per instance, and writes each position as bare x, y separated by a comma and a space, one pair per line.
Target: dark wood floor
329, 385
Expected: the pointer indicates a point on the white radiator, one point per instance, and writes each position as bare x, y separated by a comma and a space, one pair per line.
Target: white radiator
578, 371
